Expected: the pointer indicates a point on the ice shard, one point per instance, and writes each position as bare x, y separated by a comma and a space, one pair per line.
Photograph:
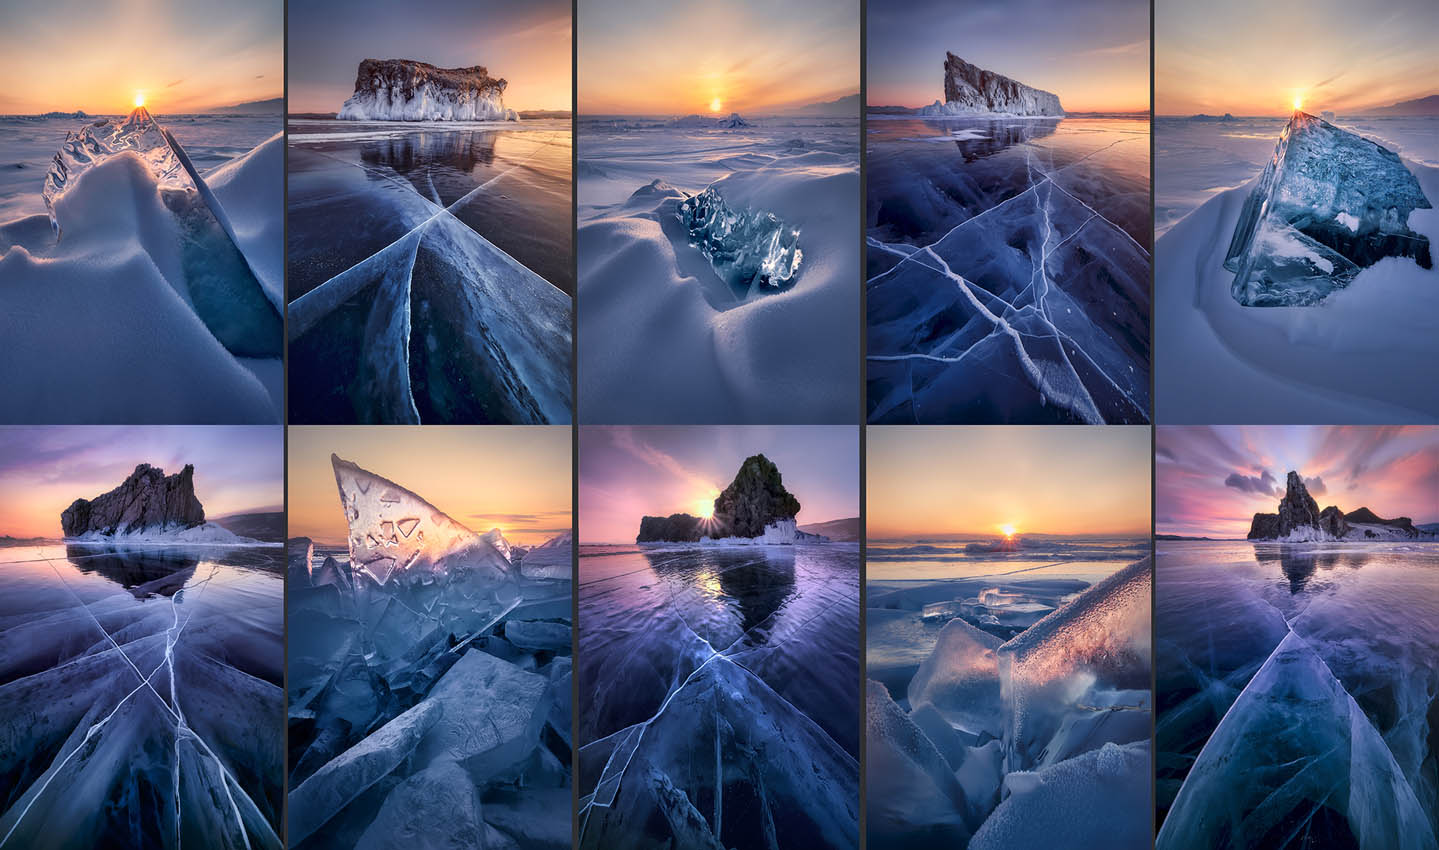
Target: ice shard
914, 797
392, 530
751, 250
1328, 204
960, 678
220, 281
1296, 763
1061, 678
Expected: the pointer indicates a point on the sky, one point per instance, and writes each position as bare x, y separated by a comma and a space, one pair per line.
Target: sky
1094, 54
1068, 480
512, 477
529, 44
1212, 480
184, 55
238, 469
678, 57
630, 472
1254, 59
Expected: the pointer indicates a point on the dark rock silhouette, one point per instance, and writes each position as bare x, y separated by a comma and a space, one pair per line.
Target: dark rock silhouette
148, 499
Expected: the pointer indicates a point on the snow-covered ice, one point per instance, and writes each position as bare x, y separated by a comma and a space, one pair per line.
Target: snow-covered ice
429, 276
670, 329
1008, 278
197, 336
1359, 356
721, 696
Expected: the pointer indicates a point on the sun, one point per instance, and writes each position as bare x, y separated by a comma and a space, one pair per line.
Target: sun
1007, 530
1298, 102
705, 508
139, 99
716, 105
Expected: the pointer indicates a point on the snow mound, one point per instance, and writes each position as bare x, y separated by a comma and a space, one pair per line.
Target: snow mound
208, 534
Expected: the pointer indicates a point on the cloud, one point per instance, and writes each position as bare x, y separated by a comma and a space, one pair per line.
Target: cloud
626, 439
176, 83
1263, 483
1315, 486
1118, 49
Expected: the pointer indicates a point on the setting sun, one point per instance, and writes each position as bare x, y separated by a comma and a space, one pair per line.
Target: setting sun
1007, 530
139, 99
715, 105
1298, 102
705, 508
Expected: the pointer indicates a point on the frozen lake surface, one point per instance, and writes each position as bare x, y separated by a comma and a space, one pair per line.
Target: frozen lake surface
718, 692
429, 271
1296, 693
141, 696
1008, 270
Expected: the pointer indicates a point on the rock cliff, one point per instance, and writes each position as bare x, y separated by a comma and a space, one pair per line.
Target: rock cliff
971, 89
147, 500
1299, 519
754, 505
406, 90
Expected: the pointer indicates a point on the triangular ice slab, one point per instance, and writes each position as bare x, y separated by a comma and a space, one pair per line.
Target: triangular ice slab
393, 530
1295, 764
1328, 204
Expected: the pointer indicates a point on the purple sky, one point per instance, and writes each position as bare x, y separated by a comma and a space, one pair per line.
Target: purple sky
1212, 480
628, 472
43, 470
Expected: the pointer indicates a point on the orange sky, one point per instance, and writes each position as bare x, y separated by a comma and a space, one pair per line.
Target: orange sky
663, 57
515, 478
185, 55
1251, 58
1065, 480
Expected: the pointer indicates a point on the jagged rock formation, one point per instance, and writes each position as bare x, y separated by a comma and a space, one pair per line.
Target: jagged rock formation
146, 500
1331, 522
1300, 519
1328, 204
970, 88
755, 498
754, 505
407, 90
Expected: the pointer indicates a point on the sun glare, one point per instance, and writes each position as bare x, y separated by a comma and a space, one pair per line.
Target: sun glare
705, 508
139, 99
715, 105
1007, 529
1298, 102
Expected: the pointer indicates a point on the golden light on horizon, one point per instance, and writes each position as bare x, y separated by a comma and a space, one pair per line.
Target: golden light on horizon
716, 105
1007, 530
1298, 101
139, 99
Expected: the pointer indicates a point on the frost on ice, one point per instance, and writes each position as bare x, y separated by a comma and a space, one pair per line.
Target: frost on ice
1008, 744
751, 250
426, 661
1328, 204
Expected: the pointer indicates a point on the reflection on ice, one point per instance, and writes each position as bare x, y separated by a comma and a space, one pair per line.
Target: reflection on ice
1010, 282
720, 685
139, 697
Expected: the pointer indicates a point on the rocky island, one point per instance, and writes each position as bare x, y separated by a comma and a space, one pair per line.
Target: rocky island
754, 509
969, 89
148, 504
407, 90
1300, 520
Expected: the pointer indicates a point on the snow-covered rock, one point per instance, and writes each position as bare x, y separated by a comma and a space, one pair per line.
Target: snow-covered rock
406, 90
969, 89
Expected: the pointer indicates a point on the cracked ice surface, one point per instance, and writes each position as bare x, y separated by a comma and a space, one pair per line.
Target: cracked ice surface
140, 696
1008, 277
1295, 688
404, 678
720, 694
428, 272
